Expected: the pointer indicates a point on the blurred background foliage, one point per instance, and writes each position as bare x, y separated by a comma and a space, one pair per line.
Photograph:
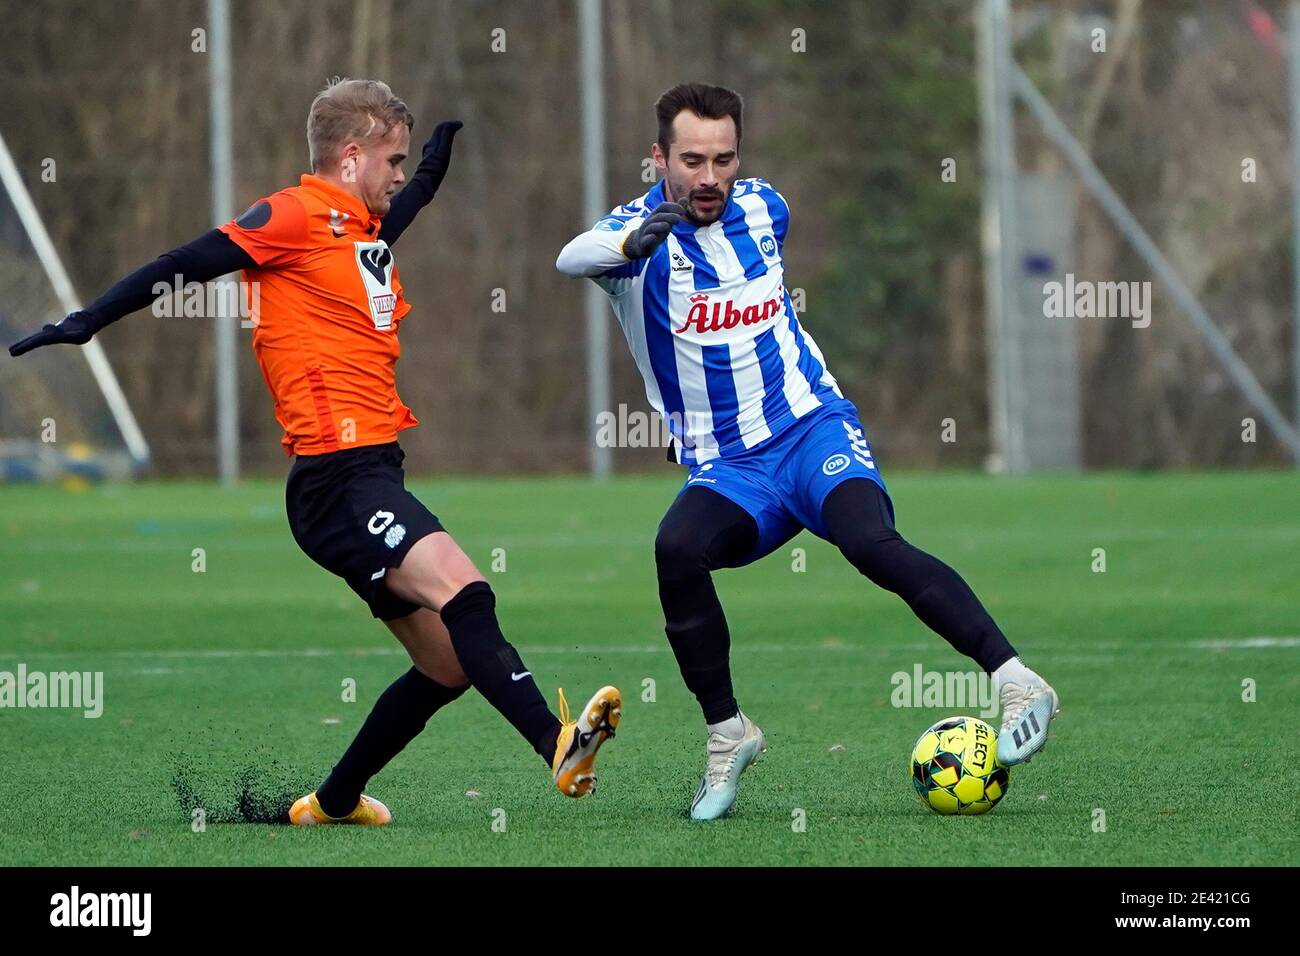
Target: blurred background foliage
853, 130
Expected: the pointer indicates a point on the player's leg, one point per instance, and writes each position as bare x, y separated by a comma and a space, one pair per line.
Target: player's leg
350, 512
701, 532
836, 490
436, 574
705, 530
428, 644
397, 717
857, 517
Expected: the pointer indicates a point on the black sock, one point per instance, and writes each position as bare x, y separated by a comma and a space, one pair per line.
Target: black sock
397, 718
697, 632
494, 667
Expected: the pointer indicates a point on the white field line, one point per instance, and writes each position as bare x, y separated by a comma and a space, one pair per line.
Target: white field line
1247, 642
1081, 652
963, 537
220, 653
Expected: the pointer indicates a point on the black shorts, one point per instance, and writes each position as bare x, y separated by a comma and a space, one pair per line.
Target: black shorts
350, 512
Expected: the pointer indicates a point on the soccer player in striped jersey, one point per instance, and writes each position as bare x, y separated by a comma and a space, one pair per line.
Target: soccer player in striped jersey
695, 274
330, 305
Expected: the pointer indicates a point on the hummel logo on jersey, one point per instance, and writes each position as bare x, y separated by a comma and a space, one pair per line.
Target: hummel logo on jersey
858, 444
725, 315
681, 263
337, 219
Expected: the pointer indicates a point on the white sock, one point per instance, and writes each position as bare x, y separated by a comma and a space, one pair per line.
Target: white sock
1015, 672
733, 728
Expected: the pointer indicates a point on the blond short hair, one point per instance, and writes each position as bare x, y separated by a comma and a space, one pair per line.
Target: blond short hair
351, 111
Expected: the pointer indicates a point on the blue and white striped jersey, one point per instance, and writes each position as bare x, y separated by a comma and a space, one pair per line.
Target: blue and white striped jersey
710, 322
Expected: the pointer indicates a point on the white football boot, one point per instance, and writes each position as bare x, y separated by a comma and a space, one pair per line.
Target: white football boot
1028, 705
728, 759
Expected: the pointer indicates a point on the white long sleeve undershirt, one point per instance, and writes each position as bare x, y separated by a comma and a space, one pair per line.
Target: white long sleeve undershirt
595, 251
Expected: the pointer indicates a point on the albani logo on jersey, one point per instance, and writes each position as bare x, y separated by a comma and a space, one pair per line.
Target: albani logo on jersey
706, 316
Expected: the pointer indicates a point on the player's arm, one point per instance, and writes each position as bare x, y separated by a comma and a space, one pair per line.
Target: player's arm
211, 255
271, 233
615, 241
428, 176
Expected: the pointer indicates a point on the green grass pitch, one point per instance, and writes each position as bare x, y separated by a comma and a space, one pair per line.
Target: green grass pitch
237, 674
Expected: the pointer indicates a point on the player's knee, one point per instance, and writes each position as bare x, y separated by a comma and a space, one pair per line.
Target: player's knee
470, 598
430, 578
678, 550
876, 553
431, 589
441, 679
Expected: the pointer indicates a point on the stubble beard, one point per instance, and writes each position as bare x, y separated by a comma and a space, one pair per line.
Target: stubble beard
683, 199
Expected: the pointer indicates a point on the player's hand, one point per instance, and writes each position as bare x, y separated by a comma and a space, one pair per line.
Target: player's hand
77, 328
653, 231
437, 151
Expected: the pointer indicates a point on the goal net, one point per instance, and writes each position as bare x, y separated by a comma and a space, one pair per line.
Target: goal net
62, 414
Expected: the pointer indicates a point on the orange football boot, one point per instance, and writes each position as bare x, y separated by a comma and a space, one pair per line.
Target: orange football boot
575, 749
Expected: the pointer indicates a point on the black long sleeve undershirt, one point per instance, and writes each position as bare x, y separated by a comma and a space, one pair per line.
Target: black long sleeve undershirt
215, 254
415, 195
211, 255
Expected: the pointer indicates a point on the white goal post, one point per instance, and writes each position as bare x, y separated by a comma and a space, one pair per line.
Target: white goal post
100, 369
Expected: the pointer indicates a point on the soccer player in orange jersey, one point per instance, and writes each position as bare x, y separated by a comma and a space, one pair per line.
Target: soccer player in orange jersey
327, 311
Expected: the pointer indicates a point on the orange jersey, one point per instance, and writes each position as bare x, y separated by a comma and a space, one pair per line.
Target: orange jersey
326, 307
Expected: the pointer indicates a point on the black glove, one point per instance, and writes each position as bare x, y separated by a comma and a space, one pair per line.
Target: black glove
653, 231
77, 328
437, 151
